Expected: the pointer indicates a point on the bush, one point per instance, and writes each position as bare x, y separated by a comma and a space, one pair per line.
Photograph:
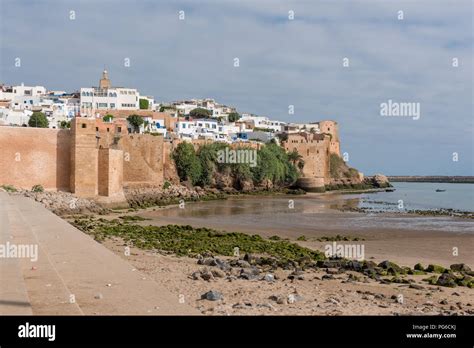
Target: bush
144, 104
108, 118
65, 124
38, 120
272, 163
9, 188
166, 185
37, 188
200, 113
136, 121
233, 116
187, 163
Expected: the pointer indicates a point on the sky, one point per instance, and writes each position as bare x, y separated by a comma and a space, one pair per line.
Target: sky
282, 62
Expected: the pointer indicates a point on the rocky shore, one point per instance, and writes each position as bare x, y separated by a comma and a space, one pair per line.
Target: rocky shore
277, 276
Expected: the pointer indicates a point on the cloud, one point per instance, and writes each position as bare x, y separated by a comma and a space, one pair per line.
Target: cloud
282, 62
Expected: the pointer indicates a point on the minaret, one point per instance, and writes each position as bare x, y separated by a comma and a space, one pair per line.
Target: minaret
104, 82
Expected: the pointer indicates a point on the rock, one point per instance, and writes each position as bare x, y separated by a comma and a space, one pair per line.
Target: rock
391, 267
447, 279
435, 269
222, 265
419, 267
296, 275
208, 261
380, 180
327, 277
332, 263
444, 302
466, 280
269, 277
416, 286
249, 273
243, 264
206, 275
292, 298
460, 267
212, 296
99, 297
217, 273
368, 297
354, 265
266, 305
278, 299
196, 275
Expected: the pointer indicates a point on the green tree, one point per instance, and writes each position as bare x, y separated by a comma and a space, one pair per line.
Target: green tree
144, 104
65, 124
136, 121
295, 158
108, 118
187, 163
38, 120
233, 116
200, 113
273, 164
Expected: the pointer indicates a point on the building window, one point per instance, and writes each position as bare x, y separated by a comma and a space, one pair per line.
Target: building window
84, 125
96, 129
119, 129
108, 129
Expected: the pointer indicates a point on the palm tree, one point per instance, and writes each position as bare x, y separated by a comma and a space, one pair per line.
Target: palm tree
294, 157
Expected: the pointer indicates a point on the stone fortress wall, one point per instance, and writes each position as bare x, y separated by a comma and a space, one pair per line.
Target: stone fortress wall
315, 150
96, 159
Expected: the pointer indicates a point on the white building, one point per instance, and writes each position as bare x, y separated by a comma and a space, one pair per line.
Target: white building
263, 122
10, 92
186, 129
10, 117
106, 97
153, 126
297, 127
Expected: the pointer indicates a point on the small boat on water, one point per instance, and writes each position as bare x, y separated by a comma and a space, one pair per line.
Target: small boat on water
440, 190
389, 190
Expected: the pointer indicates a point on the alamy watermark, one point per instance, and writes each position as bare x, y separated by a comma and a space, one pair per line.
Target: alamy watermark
26, 251
348, 251
241, 156
396, 109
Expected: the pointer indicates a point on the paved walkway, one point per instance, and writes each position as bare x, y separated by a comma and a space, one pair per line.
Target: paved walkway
74, 274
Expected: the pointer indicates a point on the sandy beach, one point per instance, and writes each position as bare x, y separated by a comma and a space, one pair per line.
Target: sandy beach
317, 291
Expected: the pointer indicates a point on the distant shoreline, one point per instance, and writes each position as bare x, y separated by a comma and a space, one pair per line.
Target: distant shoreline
437, 179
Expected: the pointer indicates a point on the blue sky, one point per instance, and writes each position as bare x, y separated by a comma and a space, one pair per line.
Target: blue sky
282, 63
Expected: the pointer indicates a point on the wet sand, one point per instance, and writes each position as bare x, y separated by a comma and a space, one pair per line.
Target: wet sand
398, 237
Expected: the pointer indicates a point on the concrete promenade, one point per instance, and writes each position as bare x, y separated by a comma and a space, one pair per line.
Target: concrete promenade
74, 275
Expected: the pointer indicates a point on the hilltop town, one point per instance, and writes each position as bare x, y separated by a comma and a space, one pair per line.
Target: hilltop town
100, 140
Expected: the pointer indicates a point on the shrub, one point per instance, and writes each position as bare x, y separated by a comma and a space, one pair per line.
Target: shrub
38, 120
37, 188
166, 185
9, 188
136, 121
187, 163
144, 104
108, 118
200, 113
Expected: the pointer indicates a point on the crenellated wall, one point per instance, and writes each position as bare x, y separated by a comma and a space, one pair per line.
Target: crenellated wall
315, 149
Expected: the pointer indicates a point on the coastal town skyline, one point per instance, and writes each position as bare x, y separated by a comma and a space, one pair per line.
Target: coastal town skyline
282, 62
